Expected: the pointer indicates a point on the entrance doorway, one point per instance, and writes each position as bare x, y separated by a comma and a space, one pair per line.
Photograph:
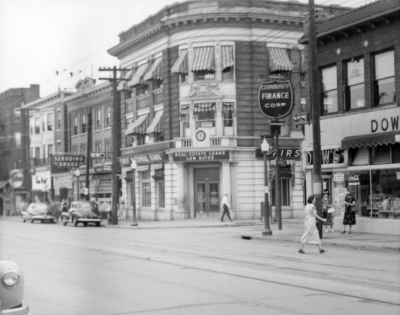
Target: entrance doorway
206, 197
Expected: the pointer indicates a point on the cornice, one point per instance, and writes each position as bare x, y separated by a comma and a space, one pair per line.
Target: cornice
83, 94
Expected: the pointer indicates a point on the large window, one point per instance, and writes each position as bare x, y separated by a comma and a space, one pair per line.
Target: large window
17, 137
285, 192
146, 189
329, 90
50, 122
83, 123
83, 149
58, 120
384, 90
108, 117
97, 119
161, 193
58, 147
37, 125
205, 115
75, 126
355, 89
227, 112
50, 150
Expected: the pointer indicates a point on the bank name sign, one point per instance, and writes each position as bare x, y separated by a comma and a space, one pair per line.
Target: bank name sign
201, 156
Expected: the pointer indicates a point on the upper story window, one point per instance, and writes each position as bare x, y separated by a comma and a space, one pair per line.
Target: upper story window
75, 126
384, 89
108, 117
355, 89
142, 89
228, 61
181, 66
83, 124
58, 115
37, 125
227, 111
58, 147
75, 149
31, 126
205, 115
50, 149
17, 137
17, 114
203, 64
50, 122
83, 149
97, 119
329, 97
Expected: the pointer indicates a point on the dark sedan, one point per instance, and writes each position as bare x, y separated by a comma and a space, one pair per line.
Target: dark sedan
81, 212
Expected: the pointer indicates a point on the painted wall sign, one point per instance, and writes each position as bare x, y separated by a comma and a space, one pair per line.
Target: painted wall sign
201, 156
143, 159
287, 154
354, 180
62, 182
275, 98
41, 181
332, 156
17, 178
339, 177
385, 124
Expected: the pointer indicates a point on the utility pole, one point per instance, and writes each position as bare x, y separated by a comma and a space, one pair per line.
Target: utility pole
278, 207
116, 138
88, 150
316, 112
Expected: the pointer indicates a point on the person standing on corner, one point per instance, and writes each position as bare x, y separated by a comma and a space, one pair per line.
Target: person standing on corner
225, 207
349, 217
311, 234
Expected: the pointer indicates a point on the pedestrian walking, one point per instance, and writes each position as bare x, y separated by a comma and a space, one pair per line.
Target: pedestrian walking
349, 217
311, 235
327, 211
225, 207
121, 210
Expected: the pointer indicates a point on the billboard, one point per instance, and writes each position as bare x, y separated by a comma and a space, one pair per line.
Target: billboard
275, 99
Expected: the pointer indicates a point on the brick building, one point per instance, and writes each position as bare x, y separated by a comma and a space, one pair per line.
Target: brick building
190, 110
14, 143
359, 63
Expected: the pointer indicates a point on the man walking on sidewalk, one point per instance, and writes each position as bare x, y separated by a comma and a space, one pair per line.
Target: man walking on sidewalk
225, 207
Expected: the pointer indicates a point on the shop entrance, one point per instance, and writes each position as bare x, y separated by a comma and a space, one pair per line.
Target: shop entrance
207, 192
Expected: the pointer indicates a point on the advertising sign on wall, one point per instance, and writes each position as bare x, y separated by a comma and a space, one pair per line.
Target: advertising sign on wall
201, 156
41, 181
61, 163
17, 178
275, 99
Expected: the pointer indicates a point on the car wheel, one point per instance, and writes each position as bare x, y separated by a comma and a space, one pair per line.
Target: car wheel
23, 221
32, 220
75, 220
85, 224
65, 223
98, 224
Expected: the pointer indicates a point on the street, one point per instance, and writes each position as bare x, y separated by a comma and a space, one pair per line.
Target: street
76, 270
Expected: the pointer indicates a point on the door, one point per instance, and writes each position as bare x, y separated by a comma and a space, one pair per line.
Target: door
207, 198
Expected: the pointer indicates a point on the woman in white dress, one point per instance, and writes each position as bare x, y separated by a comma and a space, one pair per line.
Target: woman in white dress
311, 235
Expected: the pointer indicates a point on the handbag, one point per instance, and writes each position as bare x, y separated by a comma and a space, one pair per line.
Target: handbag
331, 210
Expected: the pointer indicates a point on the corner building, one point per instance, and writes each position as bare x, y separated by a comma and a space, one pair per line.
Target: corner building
189, 103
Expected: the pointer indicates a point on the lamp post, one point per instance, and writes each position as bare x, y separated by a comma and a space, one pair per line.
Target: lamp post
77, 174
133, 167
264, 150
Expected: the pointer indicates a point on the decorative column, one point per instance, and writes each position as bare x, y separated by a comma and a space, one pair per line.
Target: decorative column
297, 189
180, 193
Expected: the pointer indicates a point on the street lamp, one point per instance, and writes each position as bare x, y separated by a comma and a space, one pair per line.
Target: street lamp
264, 150
133, 167
77, 174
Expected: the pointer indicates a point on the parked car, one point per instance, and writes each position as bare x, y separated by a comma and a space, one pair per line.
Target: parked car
39, 211
12, 289
81, 212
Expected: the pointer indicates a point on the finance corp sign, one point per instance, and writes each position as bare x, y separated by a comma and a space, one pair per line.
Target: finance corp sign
275, 99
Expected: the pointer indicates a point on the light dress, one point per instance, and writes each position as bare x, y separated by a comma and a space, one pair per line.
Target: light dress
311, 235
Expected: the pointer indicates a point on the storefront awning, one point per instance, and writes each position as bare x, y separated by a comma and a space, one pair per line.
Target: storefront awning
3, 183
204, 107
139, 126
369, 140
138, 76
156, 124
279, 60
203, 59
154, 72
123, 84
228, 59
181, 65
228, 107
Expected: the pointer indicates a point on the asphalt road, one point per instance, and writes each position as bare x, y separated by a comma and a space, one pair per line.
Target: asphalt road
78, 270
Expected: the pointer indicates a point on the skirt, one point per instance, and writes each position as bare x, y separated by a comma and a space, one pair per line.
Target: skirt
310, 235
349, 217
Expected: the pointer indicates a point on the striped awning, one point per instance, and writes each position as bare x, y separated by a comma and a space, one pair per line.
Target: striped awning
185, 110
370, 140
228, 60
279, 60
203, 59
228, 107
139, 126
138, 76
156, 124
204, 107
154, 72
181, 64
123, 84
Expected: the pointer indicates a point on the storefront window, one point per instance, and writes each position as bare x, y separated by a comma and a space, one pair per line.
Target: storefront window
285, 192
146, 189
355, 91
329, 90
384, 88
161, 194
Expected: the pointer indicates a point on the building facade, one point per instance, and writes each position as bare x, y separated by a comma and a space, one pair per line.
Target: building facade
359, 75
15, 182
190, 110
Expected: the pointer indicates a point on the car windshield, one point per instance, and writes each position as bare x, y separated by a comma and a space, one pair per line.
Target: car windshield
38, 206
83, 205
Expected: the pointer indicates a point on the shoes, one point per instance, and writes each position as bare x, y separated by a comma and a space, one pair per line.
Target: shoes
350, 232
321, 251
326, 231
332, 230
301, 251
343, 232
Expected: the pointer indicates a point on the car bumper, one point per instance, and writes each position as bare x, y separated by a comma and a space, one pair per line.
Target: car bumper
23, 310
88, 220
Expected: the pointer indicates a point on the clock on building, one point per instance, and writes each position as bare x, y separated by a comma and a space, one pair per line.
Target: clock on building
200, 135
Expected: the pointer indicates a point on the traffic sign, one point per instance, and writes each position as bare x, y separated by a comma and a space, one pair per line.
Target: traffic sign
97, 155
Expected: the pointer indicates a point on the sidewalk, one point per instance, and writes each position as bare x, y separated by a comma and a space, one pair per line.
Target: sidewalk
292, 229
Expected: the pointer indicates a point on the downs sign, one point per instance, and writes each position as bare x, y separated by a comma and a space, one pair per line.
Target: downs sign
275, 98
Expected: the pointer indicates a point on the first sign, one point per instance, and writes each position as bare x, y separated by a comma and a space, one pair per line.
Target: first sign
275, 99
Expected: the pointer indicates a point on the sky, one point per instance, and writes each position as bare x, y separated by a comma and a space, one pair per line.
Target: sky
40, 37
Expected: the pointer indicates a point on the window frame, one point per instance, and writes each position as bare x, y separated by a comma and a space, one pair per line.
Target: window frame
349, 86
324, 92
50, 122
58, 118
375, 80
